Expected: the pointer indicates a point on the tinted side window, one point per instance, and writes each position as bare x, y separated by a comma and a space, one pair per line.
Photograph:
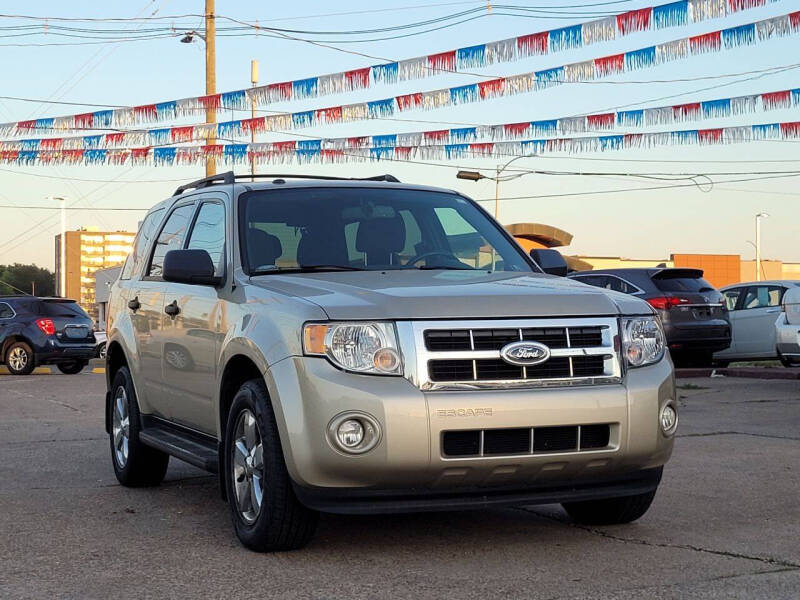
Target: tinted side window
763, 296
208, 233
135, 258
595, 280
6, 312
170, 238
620, 285
732, 297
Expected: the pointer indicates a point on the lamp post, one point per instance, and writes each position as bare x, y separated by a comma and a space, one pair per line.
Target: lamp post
476, 176
62, 247
759, 216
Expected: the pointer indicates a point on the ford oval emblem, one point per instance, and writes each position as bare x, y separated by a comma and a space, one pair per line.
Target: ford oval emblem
525, 353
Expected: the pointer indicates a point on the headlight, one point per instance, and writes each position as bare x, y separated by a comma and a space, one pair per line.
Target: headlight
642, 341
355, 346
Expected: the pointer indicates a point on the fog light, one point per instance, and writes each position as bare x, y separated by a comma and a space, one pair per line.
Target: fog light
353, 432
669, 419
386, 360
350, 433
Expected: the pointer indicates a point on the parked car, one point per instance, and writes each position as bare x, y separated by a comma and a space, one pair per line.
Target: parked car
100, 343
694, 317
44, 331
787, 328
365, 346
753, 308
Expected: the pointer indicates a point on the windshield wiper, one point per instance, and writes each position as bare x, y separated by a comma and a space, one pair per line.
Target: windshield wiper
443, 268
307, 269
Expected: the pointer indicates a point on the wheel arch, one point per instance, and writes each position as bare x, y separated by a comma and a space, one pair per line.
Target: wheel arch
13, 339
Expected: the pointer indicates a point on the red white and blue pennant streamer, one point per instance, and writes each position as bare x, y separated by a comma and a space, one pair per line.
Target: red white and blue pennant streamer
673, 14
311, 151
647, 117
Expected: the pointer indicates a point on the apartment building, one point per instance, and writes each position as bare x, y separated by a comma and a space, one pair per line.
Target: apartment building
88, 250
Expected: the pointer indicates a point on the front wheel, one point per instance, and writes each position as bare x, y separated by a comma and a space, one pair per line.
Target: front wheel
266, 513
20, 359
135, 464
71, 368
611, 511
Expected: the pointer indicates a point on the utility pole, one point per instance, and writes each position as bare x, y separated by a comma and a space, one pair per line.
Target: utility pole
254, 82
211, 78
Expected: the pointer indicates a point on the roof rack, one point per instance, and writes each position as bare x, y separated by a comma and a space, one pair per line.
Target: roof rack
230, 177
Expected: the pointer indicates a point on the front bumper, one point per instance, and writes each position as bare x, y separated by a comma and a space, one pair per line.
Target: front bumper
307, 393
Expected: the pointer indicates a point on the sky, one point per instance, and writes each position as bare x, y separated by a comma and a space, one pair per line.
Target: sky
613, 215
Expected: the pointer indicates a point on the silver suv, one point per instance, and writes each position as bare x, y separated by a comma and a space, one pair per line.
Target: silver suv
365, 346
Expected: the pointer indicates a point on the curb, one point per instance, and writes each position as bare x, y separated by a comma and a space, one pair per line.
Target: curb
745, 372
51, 370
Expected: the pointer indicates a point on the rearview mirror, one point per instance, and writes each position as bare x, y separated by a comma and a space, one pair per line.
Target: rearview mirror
550, 261
189, 266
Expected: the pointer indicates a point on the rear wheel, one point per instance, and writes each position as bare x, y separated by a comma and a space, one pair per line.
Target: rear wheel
135, 464
611, 511
266, 513
20, 359
71, 368
787, 362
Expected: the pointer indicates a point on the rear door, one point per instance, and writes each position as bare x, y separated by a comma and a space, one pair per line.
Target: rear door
147, 299
192, 337
755, 322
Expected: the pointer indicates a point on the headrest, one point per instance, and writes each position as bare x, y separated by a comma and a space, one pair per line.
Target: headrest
381, 235
263, 249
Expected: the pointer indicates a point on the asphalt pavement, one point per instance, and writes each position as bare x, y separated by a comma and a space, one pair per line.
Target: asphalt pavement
725, 523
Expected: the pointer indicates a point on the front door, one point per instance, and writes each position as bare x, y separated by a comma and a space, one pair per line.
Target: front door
193, 325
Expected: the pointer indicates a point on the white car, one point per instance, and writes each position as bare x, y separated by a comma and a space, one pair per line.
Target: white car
787, 329
753, 308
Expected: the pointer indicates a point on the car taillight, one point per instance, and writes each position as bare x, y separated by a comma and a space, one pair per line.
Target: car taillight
665, 303
47, 326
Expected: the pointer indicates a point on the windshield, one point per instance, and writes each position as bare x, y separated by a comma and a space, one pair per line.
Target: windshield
370, 229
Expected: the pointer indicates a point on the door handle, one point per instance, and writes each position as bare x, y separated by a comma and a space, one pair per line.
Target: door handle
173, 310
134, 304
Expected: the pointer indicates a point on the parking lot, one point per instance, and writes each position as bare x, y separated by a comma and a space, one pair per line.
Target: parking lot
725, 522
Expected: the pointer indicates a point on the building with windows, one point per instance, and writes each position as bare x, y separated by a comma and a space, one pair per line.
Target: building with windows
88, 250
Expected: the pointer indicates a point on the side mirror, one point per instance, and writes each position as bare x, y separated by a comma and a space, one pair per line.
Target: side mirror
189, 266
550, 261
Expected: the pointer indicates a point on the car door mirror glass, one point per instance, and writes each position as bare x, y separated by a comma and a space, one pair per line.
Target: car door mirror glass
189, 266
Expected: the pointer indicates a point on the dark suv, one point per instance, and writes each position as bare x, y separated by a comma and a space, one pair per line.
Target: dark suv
44, 331
693, 313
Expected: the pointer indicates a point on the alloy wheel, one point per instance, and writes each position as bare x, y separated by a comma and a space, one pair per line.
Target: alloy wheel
120, 427
247, 466
18, 359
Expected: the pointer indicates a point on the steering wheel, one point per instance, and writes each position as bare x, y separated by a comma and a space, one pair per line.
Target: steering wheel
419, 257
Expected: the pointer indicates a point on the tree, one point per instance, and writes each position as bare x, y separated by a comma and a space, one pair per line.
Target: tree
18, 278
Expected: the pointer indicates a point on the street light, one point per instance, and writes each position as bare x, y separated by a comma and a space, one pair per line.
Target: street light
62, 247
476, 176
759, 216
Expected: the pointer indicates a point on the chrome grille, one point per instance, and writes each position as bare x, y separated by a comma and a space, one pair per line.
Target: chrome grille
466, 354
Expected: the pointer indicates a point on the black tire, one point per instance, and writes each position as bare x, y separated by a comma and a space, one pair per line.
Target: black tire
144, 466
71, 368
693, 359
23, 352
611, 511
282, 522
722, 364
786, 361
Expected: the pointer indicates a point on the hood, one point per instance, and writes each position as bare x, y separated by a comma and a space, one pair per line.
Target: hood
414, 294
